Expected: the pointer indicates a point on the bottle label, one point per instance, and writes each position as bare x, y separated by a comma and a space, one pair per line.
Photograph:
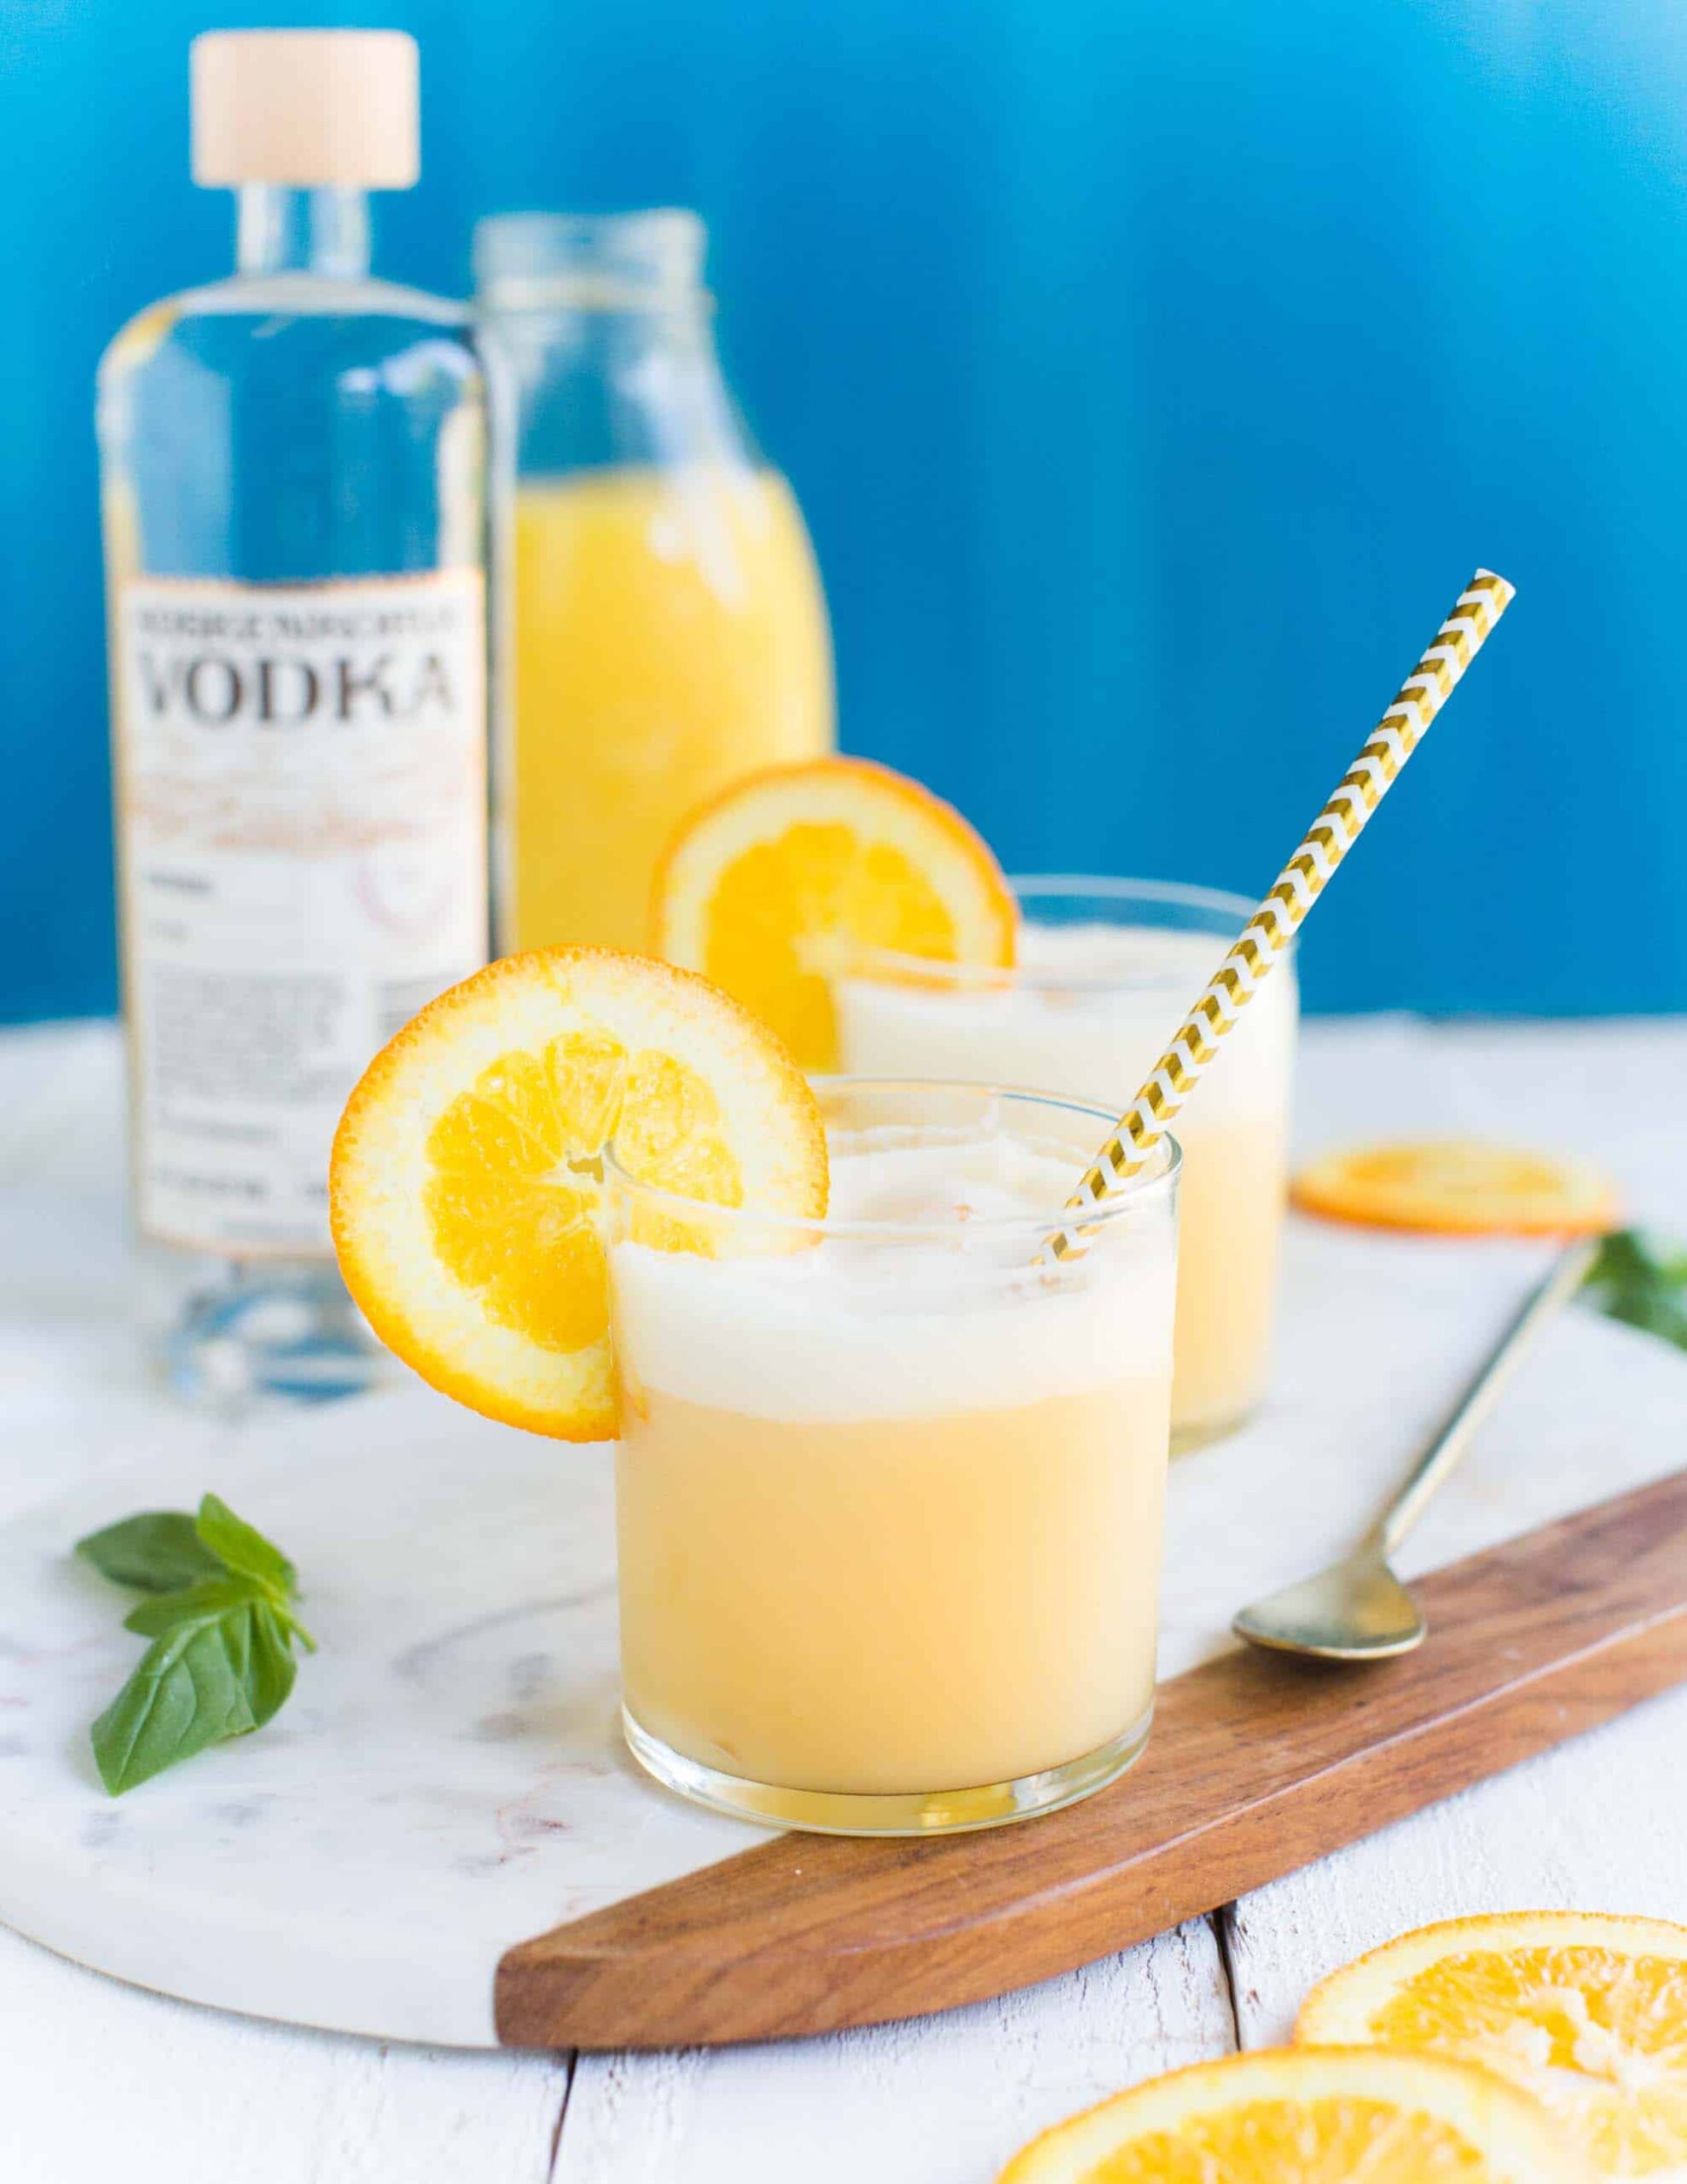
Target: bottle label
301, 787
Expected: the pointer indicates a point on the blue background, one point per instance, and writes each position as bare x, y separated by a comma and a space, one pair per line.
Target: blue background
1152, 373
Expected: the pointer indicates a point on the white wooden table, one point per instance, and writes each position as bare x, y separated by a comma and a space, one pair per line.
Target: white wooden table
98, 2080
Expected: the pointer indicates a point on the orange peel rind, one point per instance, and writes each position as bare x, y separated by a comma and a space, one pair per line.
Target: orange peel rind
1584, 2013
467, 1178
1306, 2115
773, 888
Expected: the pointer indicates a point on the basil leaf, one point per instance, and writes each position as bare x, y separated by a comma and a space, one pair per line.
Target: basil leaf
219, 1615
1646, 1288
271, 1667
216, 1597
157, 1551
235, 1544
191, 1689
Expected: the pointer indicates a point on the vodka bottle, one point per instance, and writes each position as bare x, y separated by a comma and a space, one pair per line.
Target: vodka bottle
294, 469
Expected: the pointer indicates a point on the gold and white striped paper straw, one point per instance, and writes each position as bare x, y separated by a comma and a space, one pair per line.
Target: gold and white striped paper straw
1302, 880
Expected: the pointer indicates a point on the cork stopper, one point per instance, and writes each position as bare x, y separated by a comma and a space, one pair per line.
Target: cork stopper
309, 109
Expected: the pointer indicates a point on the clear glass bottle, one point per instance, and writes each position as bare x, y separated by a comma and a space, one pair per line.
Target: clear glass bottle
294, 486
670, 630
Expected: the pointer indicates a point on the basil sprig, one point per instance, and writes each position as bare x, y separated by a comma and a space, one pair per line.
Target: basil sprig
219, 1613
1641, 1283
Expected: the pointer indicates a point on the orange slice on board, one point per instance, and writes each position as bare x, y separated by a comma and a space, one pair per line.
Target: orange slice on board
775, 888
1307, 2115
1458, 1186
466, 1185
1588, 2014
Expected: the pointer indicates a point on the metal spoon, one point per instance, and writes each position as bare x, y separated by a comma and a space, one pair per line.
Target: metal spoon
1358, 1609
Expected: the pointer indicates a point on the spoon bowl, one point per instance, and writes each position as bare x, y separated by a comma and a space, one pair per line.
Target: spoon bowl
1356, 1611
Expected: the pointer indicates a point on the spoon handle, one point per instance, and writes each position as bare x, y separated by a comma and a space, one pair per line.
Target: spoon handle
1568, 1272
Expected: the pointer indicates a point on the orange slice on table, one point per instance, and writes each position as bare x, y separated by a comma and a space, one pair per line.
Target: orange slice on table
1588, 2014
773, 888
467, 1178
1458, 1186
1293, 2116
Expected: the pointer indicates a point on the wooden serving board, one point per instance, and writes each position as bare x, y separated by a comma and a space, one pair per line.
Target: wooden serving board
1258, 1764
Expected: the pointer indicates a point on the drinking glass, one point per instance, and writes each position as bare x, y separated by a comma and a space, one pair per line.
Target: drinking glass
889, 1490
1107, 971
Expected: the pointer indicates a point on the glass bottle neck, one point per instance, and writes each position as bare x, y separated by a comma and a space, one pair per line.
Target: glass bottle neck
597, 387
281, 230
608, 332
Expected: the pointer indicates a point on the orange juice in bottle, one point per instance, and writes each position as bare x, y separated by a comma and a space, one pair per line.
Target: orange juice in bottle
669, 632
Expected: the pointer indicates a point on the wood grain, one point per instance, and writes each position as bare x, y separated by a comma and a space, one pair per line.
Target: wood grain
1594, 1825
1257, 1765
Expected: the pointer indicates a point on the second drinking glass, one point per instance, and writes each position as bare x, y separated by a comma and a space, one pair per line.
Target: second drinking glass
1107, 969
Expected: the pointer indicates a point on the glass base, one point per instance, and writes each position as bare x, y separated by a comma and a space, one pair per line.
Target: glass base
840, 1812
1186, 1440
285, 1332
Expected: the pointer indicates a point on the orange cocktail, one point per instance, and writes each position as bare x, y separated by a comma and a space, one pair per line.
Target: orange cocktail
1105, 971
889, 1494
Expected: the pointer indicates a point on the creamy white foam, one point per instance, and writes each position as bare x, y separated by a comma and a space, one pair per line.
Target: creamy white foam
895, 1174
952, 1318
1059, 1025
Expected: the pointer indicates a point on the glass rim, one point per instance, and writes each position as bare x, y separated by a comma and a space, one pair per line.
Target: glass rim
1029, 888
1158, 1185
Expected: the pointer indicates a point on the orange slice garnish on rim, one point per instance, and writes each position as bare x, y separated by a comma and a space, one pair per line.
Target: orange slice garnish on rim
775, 886
1307, 2115
1458, 1186
467, 1182
1584, 2013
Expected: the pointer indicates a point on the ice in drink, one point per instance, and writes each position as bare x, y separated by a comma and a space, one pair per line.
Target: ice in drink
889, 1497
1105, 978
